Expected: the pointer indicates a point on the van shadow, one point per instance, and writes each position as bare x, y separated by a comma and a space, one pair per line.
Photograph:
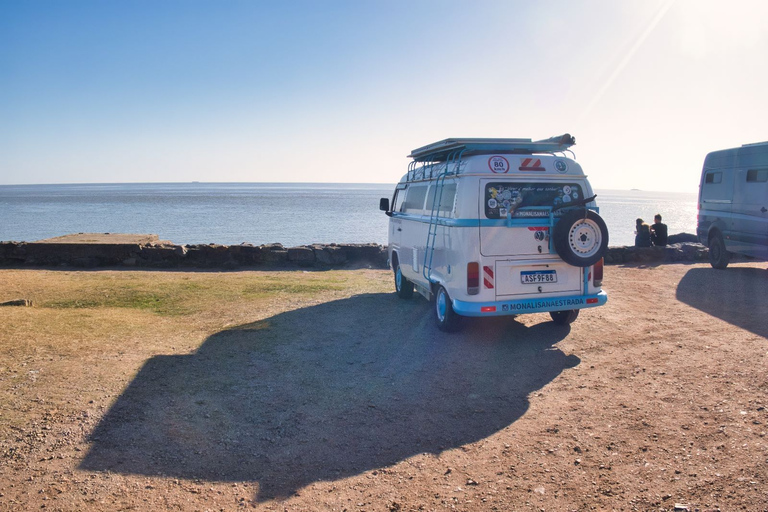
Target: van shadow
325, 392
736, 295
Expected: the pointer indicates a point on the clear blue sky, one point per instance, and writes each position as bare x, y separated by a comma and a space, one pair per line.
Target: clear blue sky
341, 91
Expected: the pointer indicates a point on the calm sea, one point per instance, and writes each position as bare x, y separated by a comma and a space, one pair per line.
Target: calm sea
259, 213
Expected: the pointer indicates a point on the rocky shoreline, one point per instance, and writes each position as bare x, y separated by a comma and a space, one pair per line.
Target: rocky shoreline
209, 256
136, 252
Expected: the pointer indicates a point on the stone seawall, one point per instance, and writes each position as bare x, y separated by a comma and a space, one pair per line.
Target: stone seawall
91, 255
229, 257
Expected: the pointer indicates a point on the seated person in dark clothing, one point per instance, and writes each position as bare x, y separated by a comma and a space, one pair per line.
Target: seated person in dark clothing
658, 231
642, 234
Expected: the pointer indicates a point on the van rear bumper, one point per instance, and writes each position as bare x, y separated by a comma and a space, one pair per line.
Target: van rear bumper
519, 307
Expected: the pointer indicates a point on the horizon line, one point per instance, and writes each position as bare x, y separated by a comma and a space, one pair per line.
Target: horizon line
282, 183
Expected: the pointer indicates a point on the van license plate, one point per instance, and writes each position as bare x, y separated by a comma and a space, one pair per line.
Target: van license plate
538, 276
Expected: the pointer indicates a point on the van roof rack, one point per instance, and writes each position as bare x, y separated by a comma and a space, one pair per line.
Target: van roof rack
446, 149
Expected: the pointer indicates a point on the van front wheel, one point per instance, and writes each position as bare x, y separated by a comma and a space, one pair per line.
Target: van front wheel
718, 254
403, 286
446, 317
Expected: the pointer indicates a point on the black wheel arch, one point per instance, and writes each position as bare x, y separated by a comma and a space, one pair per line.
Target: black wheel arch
714, 230
394, 260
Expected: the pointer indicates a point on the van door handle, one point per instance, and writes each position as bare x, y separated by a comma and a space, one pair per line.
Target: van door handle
399, 229
763, 209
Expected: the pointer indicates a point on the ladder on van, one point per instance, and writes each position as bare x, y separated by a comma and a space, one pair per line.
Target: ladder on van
452, 168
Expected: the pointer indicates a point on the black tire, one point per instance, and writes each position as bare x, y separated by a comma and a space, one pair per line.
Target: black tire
580, 237
564, 317
446, 318
403, 287
719, 257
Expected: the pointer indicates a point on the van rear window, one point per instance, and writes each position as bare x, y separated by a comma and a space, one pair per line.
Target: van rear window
522, 199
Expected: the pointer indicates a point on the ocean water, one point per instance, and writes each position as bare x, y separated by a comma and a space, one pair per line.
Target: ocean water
259, 213
621, 208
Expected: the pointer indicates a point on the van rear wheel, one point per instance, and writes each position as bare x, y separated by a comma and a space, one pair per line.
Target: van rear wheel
719, 257
446, 317
564, 317
403, 287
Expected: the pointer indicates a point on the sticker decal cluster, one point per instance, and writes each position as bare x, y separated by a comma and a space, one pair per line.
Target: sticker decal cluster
521, 199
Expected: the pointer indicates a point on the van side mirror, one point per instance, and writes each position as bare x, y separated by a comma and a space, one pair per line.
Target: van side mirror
384, 204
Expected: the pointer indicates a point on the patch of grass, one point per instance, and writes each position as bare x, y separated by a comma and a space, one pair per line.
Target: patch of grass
291, 285
160, 294
167, 304
178, 295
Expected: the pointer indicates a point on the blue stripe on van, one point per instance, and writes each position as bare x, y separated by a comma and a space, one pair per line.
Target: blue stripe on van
474, 223
538, 305
485, 223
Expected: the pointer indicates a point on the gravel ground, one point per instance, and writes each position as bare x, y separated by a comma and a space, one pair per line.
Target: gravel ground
355, 401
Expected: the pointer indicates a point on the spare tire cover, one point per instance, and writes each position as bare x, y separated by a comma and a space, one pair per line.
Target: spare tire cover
580, 237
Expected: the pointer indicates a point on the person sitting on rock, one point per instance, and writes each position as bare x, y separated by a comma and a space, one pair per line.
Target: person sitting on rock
658, 232
642, 234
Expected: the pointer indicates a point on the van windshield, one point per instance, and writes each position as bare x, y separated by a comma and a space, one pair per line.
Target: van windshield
528, 199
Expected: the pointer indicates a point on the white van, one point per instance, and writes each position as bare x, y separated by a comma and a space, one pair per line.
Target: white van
733, 203
487, 227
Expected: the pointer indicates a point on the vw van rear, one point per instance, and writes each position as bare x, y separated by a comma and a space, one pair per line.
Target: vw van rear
486, 227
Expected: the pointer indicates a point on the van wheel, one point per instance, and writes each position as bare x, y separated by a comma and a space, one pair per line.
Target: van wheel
564, 317
403, 287
447, 319
719, 257
580, 237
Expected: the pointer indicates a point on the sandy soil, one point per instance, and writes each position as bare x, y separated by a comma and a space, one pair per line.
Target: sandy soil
104, 238
656, 401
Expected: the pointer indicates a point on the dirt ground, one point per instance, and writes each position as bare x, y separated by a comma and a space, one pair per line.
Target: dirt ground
104, 238
345, 397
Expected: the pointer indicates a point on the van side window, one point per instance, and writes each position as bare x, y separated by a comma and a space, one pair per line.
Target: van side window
714, 178
414, 200
446, 200
399, 199
757, 175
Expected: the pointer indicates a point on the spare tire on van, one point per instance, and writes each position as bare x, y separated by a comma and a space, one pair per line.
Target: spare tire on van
580, 237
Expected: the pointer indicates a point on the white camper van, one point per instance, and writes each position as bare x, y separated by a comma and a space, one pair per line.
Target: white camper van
733, 203
486, 227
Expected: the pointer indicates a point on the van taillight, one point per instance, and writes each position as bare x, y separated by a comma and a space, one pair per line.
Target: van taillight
597, 281
473, 278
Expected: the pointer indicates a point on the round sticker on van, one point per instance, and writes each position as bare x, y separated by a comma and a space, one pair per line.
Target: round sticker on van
561, 166
498, 164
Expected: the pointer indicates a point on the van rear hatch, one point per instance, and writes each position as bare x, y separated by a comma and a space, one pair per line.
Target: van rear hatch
514, 231
515, 216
